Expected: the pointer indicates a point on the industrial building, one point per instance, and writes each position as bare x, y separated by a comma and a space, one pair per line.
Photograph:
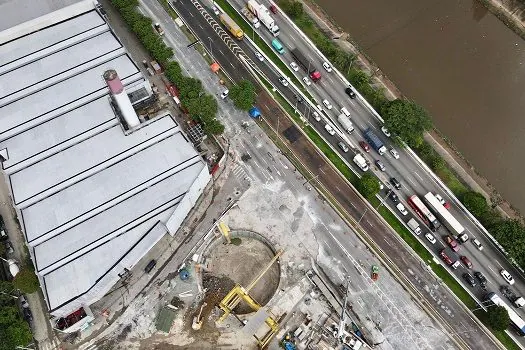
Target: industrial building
94, 186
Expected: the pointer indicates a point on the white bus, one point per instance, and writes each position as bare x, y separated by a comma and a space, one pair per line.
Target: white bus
515, 319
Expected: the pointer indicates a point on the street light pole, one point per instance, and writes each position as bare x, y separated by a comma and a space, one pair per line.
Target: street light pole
382, 201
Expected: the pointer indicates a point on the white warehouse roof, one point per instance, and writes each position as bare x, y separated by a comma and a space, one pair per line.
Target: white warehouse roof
92, 198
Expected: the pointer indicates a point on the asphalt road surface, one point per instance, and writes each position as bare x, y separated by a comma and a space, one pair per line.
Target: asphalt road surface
435, 295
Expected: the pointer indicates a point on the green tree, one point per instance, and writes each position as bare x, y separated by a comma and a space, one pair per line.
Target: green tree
497, 318
368, 185
173, 72
26, 280
294, 9
511, 235
190, 88
14, 331
475, 203
243, 95
120, 4
214, 127
407, 120
204, 107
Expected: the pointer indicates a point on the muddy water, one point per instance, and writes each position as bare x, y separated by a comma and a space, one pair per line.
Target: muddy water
463, 65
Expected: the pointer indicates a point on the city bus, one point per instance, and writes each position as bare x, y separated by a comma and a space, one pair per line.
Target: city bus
515, 319
444, 215
423, 212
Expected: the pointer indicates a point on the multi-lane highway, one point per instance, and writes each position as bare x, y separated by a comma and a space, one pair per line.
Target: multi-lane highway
413, 178
414, 181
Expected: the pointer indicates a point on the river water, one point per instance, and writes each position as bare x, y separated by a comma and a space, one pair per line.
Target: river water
463, 65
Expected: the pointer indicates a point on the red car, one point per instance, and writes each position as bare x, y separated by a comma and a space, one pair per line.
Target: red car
466, 261
445, 257
273, 9
364, 146
452, 243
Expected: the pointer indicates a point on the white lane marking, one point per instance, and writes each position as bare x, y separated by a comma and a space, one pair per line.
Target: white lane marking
412, 182
284, 165
321, 170
415, 173
338, 189
368, 222
291, 36
220, 52
372, 125
490, 268
497, 262
387, 242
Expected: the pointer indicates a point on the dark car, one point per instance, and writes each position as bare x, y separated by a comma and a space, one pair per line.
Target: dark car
364, 146
350, 92
3, 231
469, 279
150, 266
273, 8
466, 261
395, 183
481, 278
28, 315
380, 165
393, 197
508, 293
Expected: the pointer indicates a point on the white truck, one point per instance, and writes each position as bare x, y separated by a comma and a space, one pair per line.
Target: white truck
264, 16
251, 18
346, 123
414, 226
360, 161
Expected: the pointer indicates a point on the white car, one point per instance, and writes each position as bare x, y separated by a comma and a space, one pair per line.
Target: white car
294, 66
385, 131
320, 108
225, 93
507, 277
327, 104
307, 81
259, 56
402, 209
327, 67
216, 11
283, 81
430, 237
317, 116
394, 153
477, 244
330, 130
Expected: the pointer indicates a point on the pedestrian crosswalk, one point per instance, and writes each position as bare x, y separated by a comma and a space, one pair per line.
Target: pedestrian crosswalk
240, 173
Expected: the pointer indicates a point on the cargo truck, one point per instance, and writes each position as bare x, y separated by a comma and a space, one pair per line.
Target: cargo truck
250, 17
360, 161
306, 64
414, 226
346, 123
374, 141
231, 26
264, 16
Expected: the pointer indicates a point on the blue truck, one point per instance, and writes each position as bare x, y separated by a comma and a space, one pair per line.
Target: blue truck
374, 141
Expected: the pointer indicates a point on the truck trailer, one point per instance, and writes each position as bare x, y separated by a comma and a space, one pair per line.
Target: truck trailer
264, 16
346, 123
306, 64
232, 27
374, 141
250, 17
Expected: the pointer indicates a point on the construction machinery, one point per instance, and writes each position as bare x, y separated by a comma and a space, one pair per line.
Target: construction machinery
239, 293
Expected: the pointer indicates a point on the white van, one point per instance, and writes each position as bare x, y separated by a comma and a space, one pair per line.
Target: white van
330, 130
345, 112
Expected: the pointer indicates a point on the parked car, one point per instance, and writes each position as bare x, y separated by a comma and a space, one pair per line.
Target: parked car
343, 146
507, 276
394, 153
283, 81
9, 247
350, 92
430, 237
466, 261
225, 93
3, 231
481, 278
469, 279
402, 208
216, 11
330, 130
395, 183
364, 146
307, 81
317, 117
294, 66
385, 131
393, 196
380, 165
150, 266
327, 104
452, 243
327, 67
298, 98
23, 302
259, 56
477, 244
442, 201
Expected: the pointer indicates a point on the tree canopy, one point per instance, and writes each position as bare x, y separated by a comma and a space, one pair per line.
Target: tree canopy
497, 318
26, 280
243, 95
368, 185
406, 120
475, 203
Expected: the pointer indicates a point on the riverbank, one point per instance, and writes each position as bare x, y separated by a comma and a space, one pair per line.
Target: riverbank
510, 12
465, 172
